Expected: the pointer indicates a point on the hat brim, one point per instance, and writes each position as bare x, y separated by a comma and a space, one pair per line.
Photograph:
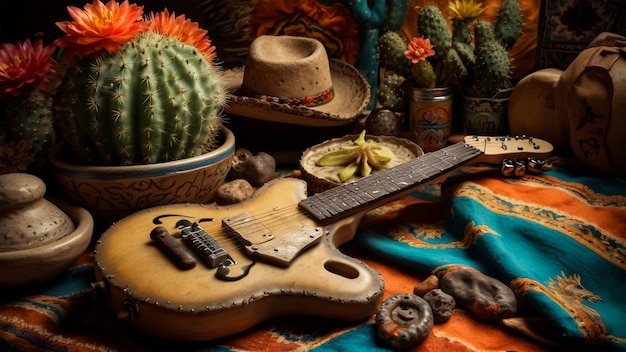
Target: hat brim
352, 95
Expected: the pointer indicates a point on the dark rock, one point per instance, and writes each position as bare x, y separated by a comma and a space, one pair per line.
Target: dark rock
487, 297
260, 169
431, 283
441, 303
233, 192
404, 320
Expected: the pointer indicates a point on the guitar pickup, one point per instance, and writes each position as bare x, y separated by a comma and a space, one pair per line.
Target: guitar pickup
263, 245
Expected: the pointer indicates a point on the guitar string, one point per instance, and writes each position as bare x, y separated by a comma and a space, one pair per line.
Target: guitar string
276, 219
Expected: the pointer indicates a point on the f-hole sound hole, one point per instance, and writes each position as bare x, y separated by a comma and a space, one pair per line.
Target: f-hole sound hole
341, 269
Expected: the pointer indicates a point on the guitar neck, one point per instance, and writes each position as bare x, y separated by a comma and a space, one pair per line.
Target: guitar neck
383, 186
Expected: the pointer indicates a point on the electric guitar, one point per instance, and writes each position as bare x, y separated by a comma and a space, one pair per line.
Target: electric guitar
200, 272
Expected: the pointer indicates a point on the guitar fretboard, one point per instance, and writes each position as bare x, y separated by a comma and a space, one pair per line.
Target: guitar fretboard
345, 200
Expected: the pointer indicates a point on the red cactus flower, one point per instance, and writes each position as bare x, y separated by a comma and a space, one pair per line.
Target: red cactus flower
101, 26
24, 66
184, 30
419, 49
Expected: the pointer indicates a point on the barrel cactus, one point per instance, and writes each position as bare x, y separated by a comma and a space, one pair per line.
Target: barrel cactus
154, 98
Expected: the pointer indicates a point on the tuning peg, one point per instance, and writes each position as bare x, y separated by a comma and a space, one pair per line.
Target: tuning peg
508, 168
511, 168
534, 165
520, 168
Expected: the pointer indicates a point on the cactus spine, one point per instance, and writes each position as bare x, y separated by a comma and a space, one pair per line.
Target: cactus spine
156, 100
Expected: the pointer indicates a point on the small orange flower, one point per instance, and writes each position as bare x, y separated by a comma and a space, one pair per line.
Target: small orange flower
24, 66
184, 30
419, 49
101, 26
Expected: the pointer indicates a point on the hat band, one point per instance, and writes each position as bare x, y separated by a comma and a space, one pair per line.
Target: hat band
311, 100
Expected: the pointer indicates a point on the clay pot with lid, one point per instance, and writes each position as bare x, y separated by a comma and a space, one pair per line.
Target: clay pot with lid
38, 238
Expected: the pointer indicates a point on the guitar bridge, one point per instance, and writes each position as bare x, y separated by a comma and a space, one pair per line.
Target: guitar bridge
203, 244
263, 245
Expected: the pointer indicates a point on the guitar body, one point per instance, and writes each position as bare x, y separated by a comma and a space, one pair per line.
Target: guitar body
144, 286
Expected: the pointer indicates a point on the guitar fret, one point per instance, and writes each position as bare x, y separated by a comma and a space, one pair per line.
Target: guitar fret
359, 194
331, 204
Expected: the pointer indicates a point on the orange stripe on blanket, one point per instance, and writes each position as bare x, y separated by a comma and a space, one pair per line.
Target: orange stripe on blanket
570, 197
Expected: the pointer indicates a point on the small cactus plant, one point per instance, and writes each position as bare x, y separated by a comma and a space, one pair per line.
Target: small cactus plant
483, 64
154, 98
27, 82
391, 47
390, 94
407, 60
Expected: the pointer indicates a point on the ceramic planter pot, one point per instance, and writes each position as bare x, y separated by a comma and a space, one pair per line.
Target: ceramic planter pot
487, 116
322, 178
430, 117
112, 192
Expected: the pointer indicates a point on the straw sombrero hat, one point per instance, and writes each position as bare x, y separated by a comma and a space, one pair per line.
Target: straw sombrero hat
291, 80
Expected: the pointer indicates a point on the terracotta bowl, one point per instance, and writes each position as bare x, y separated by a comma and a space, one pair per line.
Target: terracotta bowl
113, 192
320, 179
39, 264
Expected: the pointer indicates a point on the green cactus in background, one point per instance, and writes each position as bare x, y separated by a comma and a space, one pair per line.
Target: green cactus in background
155, 100
390, 94
482, 65
391, 49
492, 69
29, 118
508, 26
432, 25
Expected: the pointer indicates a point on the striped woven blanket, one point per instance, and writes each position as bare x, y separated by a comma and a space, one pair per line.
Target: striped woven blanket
557, 239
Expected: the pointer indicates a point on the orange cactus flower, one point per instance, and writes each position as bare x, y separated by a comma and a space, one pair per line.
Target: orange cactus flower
419, 49
101, 26
184, 30
24, 66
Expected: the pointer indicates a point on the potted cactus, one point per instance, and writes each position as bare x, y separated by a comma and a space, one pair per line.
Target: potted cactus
478, 59
412, 74
141, 97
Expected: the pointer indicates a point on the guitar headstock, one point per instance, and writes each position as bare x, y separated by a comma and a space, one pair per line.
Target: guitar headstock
498, 148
